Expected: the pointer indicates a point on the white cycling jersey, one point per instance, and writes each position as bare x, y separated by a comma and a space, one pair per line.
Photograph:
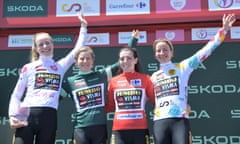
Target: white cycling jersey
171, 82
40, 81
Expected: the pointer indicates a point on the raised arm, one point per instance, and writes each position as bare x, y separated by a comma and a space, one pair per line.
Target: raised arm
134, 39
227, 21
113, 69
202, 54
83, 32
67, 61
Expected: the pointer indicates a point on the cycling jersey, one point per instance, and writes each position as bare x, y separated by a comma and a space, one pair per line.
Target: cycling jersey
171, 82
128, 94
42, 80
88, 90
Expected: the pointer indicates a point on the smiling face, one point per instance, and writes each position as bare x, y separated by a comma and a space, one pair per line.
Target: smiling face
85, 61
127, 61
44, 45
163, 51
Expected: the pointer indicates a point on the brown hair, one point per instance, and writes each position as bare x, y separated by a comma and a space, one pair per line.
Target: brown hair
138, 67
168, 42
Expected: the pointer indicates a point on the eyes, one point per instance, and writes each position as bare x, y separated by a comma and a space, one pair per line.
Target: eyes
164, 50
46, 43
85, 58
122, 59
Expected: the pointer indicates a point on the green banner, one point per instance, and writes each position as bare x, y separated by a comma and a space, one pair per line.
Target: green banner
63, 39
213, 91
25, 8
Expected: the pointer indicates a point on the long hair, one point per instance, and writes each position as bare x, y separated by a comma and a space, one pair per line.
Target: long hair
137, 67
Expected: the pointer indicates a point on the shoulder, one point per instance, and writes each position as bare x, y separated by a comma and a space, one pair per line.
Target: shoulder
142, 74
28, 67
115, 78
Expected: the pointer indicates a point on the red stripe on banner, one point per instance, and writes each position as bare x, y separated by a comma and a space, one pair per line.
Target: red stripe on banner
153, 18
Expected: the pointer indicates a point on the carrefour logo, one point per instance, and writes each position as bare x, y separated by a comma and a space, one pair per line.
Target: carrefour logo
141, 5
117, 7
127, 5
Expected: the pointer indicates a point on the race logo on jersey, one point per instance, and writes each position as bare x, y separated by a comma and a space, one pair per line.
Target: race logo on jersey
167, 87
89, 97
54, 67
136, 82
129, 99
158, 75
130, 116
24, 69
172, 72
122, 84
47, 81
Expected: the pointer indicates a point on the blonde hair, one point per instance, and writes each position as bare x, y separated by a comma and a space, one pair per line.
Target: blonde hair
34, 54
84, 49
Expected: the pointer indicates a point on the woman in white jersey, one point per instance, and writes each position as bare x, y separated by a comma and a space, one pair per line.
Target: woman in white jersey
171, 123
36, 93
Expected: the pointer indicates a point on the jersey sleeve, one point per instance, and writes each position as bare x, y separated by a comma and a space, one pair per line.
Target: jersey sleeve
110, 104
64, 92
207, 50
18, 92
111, 70
133, 42
68, 60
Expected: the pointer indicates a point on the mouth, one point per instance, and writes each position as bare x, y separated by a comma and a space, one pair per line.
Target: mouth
125, 67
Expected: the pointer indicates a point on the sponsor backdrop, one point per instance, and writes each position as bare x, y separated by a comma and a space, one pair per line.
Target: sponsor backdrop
213, 91
213, 88
58, 13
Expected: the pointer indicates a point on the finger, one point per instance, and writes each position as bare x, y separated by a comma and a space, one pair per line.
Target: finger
231, 19
80, 16
18, 124
224, 17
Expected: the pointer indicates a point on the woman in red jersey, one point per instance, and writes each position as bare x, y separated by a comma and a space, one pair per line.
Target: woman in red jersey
128, 94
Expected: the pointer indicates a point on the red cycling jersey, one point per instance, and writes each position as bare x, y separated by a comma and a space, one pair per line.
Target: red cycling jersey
128, 94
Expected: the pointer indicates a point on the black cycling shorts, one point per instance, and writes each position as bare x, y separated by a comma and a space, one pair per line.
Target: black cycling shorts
42, 126
90, 135
171, 131
140, 136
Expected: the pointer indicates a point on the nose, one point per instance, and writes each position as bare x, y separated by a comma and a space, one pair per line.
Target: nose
85, 60
125, 60
45, 45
